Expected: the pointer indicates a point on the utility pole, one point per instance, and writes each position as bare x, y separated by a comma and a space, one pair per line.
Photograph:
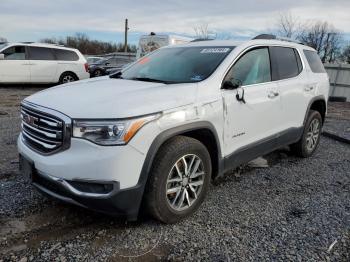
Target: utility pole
126, 36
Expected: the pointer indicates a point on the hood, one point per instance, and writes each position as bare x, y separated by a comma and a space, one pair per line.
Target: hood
114, 98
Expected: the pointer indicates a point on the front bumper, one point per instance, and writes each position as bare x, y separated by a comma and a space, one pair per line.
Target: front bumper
117, 203
85, 162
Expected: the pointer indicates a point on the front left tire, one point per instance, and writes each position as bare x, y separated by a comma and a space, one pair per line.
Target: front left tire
179, 179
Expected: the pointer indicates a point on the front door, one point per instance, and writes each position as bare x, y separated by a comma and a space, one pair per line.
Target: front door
251, 122
15, 66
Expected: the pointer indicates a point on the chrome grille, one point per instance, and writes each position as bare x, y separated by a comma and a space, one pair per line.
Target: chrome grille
43, 130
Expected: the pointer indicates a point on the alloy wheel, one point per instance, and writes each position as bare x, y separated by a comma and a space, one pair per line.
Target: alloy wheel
313, 134
185, 181
68, 78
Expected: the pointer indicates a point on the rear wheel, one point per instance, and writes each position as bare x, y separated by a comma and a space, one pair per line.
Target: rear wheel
97, 73
67, 78
310, 139
179, 179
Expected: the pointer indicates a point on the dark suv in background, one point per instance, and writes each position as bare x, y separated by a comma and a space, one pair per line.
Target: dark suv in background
108, 65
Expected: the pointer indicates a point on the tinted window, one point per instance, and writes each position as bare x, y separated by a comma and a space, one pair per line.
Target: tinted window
178, 64
314, 61
284, 63
15, 53
40, 53
252, 68
66, 55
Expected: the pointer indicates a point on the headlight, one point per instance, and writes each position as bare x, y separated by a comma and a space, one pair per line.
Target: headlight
110, 132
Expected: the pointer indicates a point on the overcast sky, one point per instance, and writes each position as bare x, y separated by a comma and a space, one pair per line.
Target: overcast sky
31, 20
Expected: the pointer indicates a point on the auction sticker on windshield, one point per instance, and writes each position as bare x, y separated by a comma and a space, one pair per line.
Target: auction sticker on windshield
215, 50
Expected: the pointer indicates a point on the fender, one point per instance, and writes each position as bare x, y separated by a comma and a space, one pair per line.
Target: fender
316, 98
165, 135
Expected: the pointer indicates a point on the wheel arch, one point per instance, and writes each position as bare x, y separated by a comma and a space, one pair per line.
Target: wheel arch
203, 131
319, 104
68, 72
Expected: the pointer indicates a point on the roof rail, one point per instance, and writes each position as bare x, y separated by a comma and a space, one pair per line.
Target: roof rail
274, 37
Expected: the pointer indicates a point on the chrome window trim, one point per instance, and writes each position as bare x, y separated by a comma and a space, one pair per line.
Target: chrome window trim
267, 45
67, 126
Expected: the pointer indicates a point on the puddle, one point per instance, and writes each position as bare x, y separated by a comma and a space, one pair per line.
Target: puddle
12, 227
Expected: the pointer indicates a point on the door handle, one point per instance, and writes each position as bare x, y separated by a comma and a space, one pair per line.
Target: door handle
272, 94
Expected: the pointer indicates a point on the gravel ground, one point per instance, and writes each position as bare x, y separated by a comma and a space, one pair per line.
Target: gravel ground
296, 209
338, 120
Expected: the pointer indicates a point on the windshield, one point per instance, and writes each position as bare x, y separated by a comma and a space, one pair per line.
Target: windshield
177, 64
3, 45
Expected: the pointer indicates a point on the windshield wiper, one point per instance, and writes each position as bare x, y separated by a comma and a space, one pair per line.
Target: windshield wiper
148, 79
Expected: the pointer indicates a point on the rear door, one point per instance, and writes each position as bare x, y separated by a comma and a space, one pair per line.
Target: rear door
15, 66
292, 80
43, 65
251, 123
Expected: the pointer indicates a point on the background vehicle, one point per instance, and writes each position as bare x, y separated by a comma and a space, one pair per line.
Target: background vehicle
151, 42
160, 130
108, 65
40, 63
93, 59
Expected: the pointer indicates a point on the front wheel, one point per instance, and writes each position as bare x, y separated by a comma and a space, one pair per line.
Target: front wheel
179, 179
310, 139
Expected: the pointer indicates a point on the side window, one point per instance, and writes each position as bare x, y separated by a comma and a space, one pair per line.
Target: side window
66, 55
15, 53
252, 68
112, 62
284, 63
314, 61
40, 53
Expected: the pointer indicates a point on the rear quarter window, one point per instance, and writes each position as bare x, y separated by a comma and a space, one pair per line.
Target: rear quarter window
314, 61
66, 55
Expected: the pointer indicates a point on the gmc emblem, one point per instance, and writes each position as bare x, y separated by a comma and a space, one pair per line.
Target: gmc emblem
30, 120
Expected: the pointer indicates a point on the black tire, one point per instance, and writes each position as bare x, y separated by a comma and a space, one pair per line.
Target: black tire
98, 73
67, 77
156, 197
301, 148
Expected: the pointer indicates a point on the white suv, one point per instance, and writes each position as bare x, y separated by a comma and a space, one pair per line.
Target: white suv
160, 130
41, 63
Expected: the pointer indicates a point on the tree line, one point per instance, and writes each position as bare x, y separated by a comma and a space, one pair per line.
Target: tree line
87, 46
320, 35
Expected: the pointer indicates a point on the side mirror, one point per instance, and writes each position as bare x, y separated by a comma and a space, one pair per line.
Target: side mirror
233, 83
107, 64
228, 85
2, 56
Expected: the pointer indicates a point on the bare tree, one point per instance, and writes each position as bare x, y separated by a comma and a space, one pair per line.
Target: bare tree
324, 38
287, 25
201, 31
345, 56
